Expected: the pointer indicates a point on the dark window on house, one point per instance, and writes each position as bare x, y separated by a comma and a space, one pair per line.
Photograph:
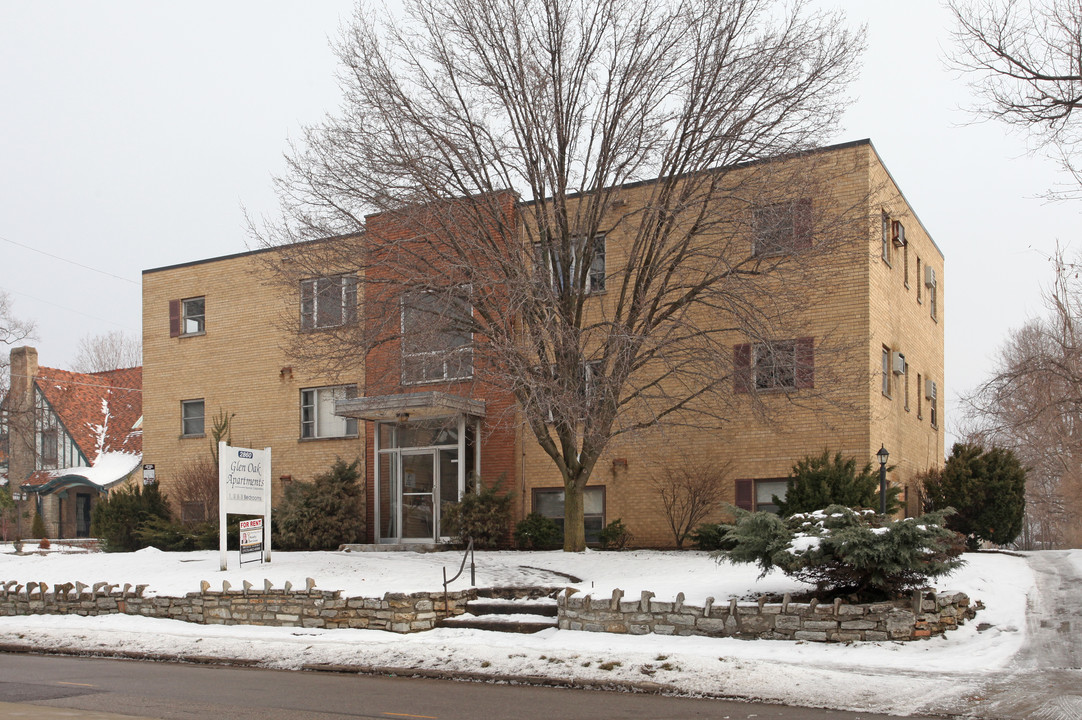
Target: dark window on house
550, 503
437, 342
549, 265
49, 446
886, 371
775, 365
317, 412
191, 417
886, 238
328, 301
758, 495
782, 228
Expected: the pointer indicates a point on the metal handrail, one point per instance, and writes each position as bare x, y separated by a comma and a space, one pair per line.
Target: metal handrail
473, 576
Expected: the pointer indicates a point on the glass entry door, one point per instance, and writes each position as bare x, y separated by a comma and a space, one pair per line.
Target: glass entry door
418, 491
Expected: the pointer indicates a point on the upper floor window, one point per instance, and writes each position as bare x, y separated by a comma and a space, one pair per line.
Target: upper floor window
886, 371
49, 449
192, 417
782, 227
437, 343
328, 301
775, 365
549, 263
931, 283
188, 316
317, 412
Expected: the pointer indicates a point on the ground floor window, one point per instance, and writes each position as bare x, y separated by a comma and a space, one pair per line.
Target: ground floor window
757, 495
550, 503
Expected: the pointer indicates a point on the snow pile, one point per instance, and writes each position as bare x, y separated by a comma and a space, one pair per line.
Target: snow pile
891, 677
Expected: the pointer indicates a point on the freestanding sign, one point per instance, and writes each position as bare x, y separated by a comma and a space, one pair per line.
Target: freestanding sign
251, 539
244, 488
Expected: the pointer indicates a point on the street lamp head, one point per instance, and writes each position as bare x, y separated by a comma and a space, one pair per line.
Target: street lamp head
882, 455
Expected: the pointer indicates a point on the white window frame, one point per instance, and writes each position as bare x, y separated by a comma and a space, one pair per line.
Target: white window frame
453, 362
312, 399
197, 319
329, 301
590, 495
887, 372
186, 417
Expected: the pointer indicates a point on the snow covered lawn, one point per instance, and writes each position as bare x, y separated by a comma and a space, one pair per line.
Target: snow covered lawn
892, 677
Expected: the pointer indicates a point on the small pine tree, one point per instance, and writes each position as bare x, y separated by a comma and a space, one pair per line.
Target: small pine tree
323, 514
817, 482
986, 489
37, 528
485, 516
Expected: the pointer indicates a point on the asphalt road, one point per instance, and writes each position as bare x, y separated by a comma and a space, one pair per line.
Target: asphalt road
49, 687
1044, 680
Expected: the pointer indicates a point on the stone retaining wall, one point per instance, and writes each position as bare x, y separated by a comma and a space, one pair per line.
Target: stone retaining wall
310, 608
922, 615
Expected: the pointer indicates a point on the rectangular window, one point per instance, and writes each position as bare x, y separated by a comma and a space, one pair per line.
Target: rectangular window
931, 283
782, 228
317, 412
437, 342
886, 238
886, 371
905, 263
920, 396
758, 495
194, 315
549, 264
328, 301
191, 418
776, 365
905, 381
49, 446
920, 282
931, 393
550, 503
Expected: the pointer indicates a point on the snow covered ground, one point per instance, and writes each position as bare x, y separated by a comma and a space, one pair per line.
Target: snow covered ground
901, 678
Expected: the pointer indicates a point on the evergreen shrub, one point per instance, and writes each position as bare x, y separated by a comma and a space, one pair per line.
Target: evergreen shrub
117, 518
37, 527
712, 536
323, 514
537, 532
485, 516
817, 482
844, 551
986, 489
615, 536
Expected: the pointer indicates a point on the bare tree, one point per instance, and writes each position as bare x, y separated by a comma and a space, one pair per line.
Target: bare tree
12, 332
1032, 404
111, 351
492, 144
1026, 60
690, 493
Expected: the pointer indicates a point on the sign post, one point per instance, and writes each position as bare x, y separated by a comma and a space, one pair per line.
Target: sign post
244, 488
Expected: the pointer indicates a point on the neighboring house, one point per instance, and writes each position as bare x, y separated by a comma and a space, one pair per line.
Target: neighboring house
872, 341
67, 438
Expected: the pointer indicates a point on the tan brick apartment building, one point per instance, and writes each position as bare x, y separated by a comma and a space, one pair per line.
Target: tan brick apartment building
867, 346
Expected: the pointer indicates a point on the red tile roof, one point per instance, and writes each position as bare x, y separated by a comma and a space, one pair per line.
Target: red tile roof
99, 410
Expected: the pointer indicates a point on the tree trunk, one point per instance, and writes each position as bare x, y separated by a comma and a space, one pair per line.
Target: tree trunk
574, 529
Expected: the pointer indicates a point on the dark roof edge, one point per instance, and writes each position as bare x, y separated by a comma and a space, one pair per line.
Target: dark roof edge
246, 253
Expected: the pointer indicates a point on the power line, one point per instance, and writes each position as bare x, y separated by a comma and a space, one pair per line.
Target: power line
77, 312
72, 262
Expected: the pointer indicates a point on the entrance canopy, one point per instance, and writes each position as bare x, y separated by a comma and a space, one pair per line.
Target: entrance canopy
410, 406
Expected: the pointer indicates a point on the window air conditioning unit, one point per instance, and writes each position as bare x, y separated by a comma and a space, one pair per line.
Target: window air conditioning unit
929, 276
898, 363
930, 389
897, 233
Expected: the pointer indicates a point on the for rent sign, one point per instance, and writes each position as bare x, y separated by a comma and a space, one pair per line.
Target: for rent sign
244, 488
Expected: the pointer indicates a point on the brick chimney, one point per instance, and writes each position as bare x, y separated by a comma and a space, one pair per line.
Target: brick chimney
21, 446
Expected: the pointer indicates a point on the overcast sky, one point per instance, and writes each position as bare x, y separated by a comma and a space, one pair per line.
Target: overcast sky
132, 135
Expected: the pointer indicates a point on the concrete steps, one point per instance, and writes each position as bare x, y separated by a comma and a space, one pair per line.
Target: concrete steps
509, 616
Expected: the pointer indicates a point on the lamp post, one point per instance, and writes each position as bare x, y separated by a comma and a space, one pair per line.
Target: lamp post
883, 455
